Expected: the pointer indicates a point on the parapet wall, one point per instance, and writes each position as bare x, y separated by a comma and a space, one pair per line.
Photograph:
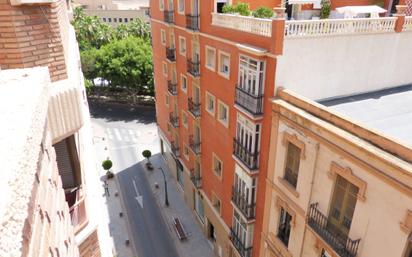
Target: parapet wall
321, 67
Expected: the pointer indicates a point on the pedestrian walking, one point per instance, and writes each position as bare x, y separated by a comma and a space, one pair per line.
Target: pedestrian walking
106, 188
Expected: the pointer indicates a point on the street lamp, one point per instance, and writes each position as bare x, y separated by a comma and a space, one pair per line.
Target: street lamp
166, 198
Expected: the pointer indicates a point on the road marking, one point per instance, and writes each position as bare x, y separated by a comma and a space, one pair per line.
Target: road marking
117, 133
138, 197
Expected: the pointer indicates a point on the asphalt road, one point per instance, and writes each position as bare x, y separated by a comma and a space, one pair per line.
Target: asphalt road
130, 131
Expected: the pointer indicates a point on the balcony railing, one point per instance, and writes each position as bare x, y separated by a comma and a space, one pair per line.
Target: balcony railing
407, 26
248, 210
175, 149
194, 145
174, 120
196, 178
239, 245
328, 27
172, 87
194, 108
169, 16
261, 27
249, 158
250, 102
343, 245
192, 22
78, 213
193, 67
171, 54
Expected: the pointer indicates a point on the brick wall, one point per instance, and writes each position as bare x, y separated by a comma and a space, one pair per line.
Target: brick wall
34, 35
48, 228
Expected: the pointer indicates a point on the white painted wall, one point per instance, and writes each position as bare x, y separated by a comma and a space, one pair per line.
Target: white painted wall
326, 67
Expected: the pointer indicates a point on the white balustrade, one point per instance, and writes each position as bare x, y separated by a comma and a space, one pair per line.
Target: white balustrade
329, 27
407, 26
262, 27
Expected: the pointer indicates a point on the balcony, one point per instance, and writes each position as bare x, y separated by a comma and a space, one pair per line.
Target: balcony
194, 144
193, 67
196, 178
261, 27
342, 245
246, 156
174, 120
194, 108
171, 54
77, 209
175, 148
169, 16
239, 245
248, 210
172, 87
250, 102
192, 22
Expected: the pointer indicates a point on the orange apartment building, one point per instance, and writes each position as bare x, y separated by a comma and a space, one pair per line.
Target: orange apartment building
215, 75
51, 184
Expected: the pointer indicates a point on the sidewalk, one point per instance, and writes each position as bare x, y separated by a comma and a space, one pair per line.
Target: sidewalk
196, 244
117, 226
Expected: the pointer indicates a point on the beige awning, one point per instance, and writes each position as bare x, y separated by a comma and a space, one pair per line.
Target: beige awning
352, 11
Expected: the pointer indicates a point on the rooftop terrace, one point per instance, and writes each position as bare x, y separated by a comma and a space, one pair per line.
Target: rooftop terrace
388, 111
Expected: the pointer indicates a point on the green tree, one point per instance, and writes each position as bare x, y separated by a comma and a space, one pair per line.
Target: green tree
127, 64
88, 59
91, 32
325, 9
139, 28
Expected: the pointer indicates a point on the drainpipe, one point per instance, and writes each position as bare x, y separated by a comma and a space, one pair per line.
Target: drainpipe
310, 194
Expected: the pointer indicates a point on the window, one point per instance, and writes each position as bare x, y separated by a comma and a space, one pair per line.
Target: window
183, 82
184, 119
104, 19
182, 46
167, 100
181, 6
216, 203
163, 36
284, 226
120, 20
161, 5
210, 58
165, 69
186, 151
199, 208
224, 64
217, 165
115, 19
131, 19
169, 128
292, 164
223, 113
126, 20
110, 19
210, 103
219, 5
342, 206
251, 73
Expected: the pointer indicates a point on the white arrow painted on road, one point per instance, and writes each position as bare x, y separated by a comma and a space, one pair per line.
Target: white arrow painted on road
138, 197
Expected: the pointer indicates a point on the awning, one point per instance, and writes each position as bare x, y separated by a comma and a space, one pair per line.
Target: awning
352, 11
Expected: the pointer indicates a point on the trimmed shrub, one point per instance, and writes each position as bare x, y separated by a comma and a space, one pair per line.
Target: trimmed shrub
240, 8
262, 12
325, 9
107, 164
147, 154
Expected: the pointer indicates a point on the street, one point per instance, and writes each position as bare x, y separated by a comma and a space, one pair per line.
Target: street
130, 131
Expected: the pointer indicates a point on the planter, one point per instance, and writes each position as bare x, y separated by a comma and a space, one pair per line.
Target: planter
149, 166
109, 175
401, 9
279, 12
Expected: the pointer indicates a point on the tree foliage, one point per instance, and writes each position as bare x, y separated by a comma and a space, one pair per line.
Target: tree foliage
127, 63
263, 12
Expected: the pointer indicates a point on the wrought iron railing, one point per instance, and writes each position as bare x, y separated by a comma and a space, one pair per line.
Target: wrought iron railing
194, 108
343, 245
250, 102
239, 245
172, 87
174, 119
193, 67
194, 144
240, 200
171, 54
249, 158
196, 178
175, 149
192, 22
169, 16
